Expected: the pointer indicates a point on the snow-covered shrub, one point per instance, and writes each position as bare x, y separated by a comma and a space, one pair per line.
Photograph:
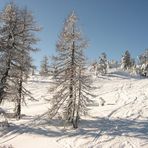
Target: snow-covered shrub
113, 64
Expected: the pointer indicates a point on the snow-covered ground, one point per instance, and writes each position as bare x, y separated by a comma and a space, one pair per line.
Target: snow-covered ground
122, 122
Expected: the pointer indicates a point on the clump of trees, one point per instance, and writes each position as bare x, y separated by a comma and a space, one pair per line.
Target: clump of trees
71, 93
141, 68
127, 63
17, 37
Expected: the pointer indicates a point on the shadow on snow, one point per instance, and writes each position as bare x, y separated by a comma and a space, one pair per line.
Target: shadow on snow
95, 127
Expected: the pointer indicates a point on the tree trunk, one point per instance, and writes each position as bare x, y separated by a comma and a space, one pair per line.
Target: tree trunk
19, 99
18, 109
4, 80
71, 106
75, 123
70, 109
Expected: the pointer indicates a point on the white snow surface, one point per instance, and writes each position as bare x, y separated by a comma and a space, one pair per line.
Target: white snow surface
122, 122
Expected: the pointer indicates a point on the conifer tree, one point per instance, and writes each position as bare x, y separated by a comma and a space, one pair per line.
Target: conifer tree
102, 64
44, 69
143, 61
71, 90
23, 62
143, 58
9, 18
126, 62
17, 38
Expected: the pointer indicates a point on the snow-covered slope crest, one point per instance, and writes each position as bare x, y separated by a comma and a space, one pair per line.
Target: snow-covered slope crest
117, 119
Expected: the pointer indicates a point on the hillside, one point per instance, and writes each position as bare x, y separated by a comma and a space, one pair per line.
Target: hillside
118, 118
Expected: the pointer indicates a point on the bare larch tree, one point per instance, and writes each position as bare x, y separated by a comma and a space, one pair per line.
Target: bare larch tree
71, 90
18, 35
8, 39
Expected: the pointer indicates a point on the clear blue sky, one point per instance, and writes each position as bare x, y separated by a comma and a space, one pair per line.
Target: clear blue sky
111, 26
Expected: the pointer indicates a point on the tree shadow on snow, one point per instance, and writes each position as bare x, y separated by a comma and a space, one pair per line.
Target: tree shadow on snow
115, 127
94, 128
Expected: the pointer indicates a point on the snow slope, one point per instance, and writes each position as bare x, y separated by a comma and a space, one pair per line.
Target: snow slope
122, 122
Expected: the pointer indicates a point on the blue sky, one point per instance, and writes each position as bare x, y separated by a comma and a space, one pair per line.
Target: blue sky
111, 26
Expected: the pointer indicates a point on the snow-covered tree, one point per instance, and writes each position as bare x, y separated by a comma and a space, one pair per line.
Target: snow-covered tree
44, 68
144, 70
126, 62
17, 38
102, 64
72, 84
143, 61
143, 58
